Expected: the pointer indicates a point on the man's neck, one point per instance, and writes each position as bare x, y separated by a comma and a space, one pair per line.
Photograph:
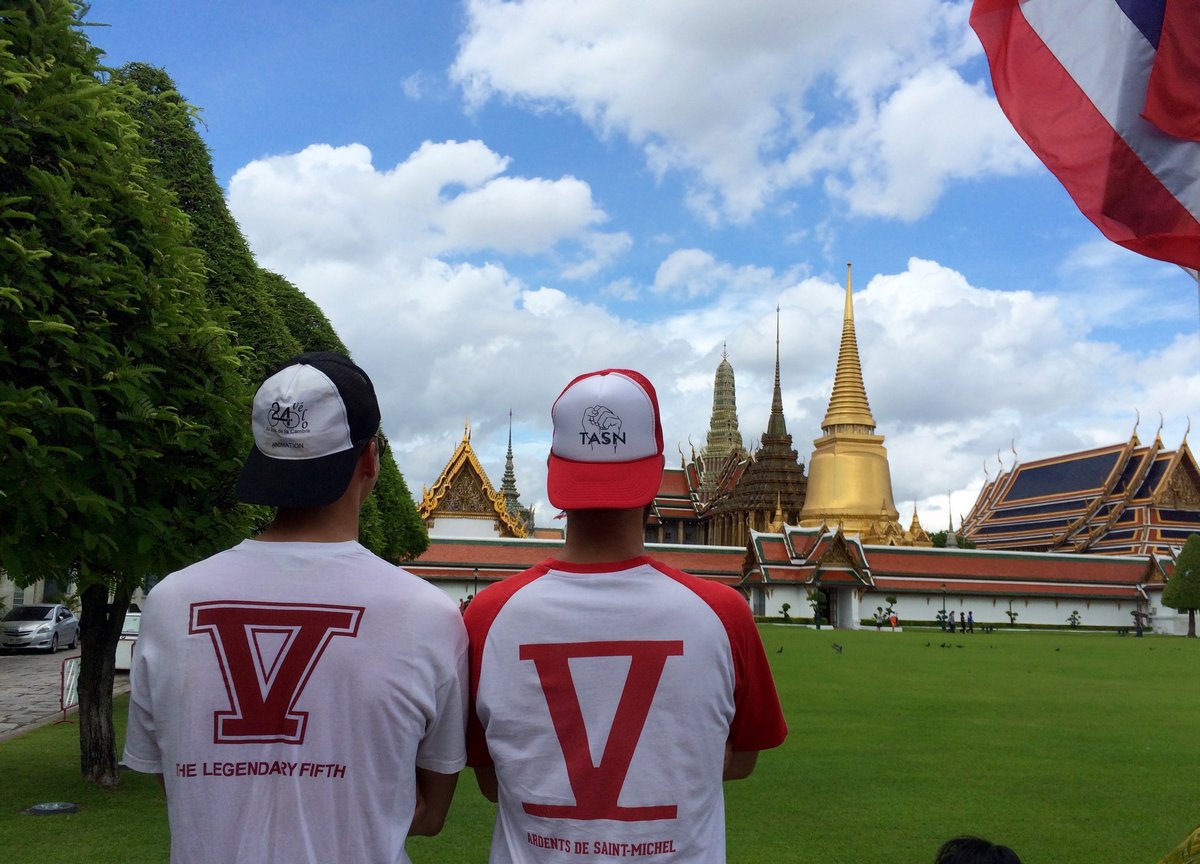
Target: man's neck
601, 536
336, 523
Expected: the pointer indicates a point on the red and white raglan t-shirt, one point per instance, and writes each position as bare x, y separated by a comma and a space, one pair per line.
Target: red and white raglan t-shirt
604, 696
287, 692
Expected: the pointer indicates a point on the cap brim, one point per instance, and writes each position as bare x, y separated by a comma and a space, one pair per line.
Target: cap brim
574, 485
296, 483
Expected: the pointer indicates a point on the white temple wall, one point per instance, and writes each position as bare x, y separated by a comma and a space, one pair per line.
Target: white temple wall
993, 610
450, 526
924, 607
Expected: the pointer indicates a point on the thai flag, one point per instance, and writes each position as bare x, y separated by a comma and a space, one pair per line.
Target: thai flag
1107, 94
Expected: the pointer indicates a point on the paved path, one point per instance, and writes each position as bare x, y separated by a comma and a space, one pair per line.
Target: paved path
30, 686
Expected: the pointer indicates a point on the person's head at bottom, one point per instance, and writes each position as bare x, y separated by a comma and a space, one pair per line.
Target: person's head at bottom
974, 850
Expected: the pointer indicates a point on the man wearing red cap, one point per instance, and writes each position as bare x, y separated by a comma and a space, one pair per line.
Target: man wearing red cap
610, 693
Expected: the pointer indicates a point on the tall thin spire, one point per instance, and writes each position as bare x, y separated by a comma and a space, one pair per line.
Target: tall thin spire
848, 404
508, 486
776, 427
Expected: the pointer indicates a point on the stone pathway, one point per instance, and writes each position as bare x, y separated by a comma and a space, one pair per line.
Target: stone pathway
30, 686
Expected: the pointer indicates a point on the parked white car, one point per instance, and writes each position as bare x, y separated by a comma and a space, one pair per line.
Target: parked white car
43, 626
129, 634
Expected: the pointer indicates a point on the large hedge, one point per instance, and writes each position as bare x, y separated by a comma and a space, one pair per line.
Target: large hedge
121, 397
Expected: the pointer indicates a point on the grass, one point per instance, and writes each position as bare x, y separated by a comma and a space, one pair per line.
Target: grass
1072, 748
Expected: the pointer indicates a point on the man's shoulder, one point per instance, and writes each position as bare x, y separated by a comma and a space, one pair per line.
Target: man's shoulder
711, 591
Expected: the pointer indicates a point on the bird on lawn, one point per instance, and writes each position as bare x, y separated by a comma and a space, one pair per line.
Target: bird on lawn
837, 647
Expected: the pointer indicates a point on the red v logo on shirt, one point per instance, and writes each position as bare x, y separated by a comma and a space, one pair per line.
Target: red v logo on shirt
268, 652
597, 787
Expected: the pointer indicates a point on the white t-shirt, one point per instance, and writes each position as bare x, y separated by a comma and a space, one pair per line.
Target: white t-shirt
604, 697
287, 693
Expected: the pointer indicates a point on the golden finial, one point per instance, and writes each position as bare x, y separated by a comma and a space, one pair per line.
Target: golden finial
848, 314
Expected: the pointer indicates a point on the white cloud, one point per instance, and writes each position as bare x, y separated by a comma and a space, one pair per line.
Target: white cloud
934, 128
445, 199
753, 99
954, 372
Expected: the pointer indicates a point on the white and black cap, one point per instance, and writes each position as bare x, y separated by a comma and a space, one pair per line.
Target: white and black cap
311, 420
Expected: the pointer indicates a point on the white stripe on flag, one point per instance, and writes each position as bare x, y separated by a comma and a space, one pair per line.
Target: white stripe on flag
1110, 60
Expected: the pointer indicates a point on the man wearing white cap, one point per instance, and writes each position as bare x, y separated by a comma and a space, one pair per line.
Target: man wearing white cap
610, 693
303, 699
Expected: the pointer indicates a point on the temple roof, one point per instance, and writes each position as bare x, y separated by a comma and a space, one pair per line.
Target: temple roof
1121, 499
812, 556
463, 490
773, 477
500, 557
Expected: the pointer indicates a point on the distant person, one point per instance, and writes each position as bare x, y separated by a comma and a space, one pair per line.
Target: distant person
950, 621
970, 621
893, 618
557, 649
974, 850
962, 622
302, 699
878, 617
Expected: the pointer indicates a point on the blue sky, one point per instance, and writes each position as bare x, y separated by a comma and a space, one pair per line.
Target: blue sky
488, 198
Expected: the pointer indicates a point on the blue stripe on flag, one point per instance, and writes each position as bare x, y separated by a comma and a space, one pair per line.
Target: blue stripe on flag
1146, 15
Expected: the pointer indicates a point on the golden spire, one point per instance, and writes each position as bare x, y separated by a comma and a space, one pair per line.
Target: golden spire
848, 404
848, 473
778, 522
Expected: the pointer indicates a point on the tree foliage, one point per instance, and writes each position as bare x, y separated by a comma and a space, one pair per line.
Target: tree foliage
1183, 588
232, 278
121, 402
267, 311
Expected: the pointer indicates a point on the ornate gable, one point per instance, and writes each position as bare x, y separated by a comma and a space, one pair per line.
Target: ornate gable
1179, 488
463, 490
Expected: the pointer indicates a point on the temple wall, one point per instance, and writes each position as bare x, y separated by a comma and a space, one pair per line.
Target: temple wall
450, 526
923, 608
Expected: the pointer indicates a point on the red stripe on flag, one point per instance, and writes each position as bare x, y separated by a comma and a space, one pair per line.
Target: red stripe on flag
1107, 180
1173, 98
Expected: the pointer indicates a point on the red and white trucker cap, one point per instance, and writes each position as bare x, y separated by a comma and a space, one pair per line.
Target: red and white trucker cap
311, 420
607, 452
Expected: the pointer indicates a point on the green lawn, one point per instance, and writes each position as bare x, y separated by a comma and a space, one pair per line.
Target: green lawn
1069, 747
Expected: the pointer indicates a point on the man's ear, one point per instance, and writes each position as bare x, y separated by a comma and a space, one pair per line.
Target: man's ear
369, 461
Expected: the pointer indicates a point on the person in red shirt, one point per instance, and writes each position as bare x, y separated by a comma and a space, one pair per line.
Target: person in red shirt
610, 693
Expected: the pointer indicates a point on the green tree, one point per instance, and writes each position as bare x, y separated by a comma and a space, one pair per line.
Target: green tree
302, 317
232, 278
939, 539
121, 404
267, 311
1183, 588
404, 535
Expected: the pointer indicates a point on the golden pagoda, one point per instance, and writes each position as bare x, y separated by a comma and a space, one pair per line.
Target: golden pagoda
849, 480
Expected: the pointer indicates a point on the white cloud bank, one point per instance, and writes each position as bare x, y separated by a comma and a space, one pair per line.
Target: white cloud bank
751, 100
954, 372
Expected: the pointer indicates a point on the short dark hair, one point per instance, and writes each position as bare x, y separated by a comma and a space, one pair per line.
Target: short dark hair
974, 850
